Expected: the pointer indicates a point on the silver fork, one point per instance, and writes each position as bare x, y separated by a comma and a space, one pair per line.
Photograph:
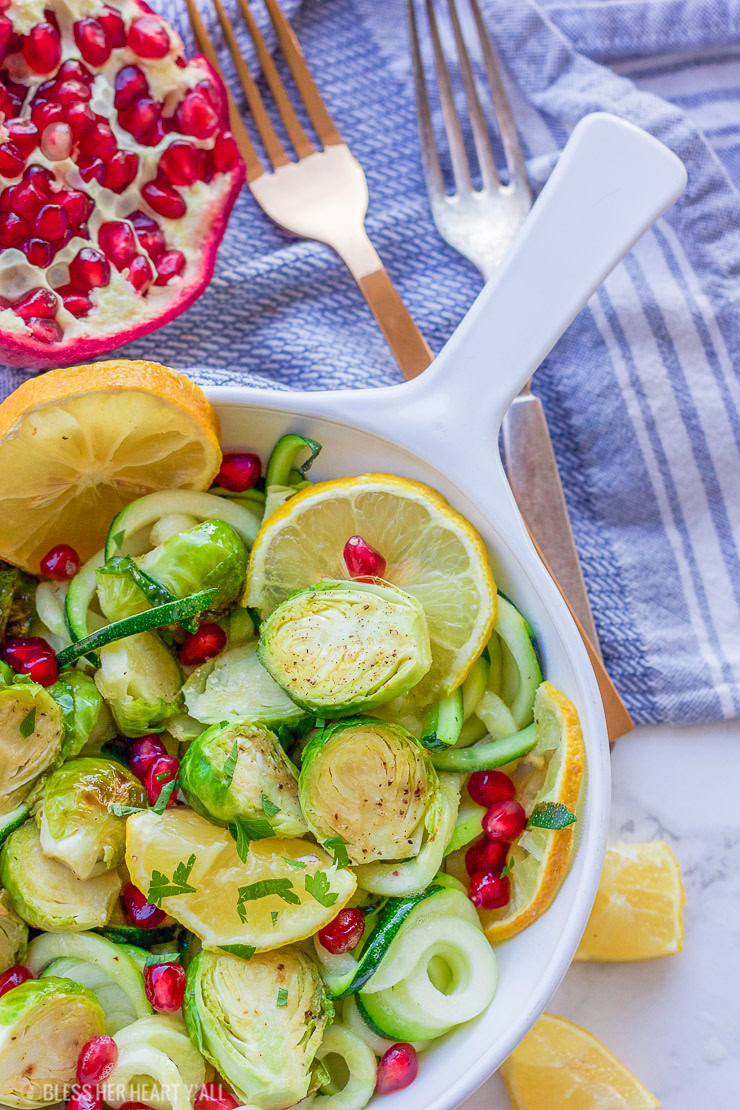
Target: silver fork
481, 224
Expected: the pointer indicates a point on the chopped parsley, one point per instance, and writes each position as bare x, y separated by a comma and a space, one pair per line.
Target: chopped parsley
28, 724
282, 997
161, 887
318, 887
244, 831
551, 815
337, 845
230, 764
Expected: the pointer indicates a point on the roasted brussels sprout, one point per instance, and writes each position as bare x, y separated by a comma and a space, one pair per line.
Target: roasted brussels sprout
31, 736
87, 719
17, 611
342, 647
77, 824
13, 934
140, 679
369, 782
260, 1023
236, 687
241, 771
210, 554
43, 1025
46, 893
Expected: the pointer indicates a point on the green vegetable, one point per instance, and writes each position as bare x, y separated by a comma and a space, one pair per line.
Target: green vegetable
442, 725
140, 679
17, 609
351, 1070
80, 595
87, 719
241, 772
284, 459
522, 673
551, 815
369, 782
147, 510
235, 687
343, 647
263, 1051
487, 754
475, 684
13, 934
32, 732
78, 824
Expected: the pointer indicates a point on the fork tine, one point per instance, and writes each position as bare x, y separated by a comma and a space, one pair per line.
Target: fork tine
274, 148
238, 130
429, 155
458, 157
298, 137
489, 173
507, 127
321, 120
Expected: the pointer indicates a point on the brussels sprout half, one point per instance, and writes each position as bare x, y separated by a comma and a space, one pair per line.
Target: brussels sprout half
342, 647
47, 894
241, 771
87, 719
260, 1023
13, 934
31, 736
76, 822
140, 679
371, 783
236, 687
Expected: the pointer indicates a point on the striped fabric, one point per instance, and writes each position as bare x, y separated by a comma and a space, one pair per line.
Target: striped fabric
642, 394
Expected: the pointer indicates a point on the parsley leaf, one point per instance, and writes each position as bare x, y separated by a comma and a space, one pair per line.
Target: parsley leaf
161, 776
124, 811
274, 915
230, 764
337, 845
165, 794
298, 864
282, 997
318, 887
243, 830
283, 888
161, 887
507, 869
162, 958
268, 807
551, 815
243, 951
28, 724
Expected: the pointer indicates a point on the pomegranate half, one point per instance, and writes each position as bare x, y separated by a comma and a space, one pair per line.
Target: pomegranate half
117, 177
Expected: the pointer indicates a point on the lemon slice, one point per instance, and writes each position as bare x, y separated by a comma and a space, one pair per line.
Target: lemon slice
181, 850
638, 912
76, 445
430, 551
558, 1064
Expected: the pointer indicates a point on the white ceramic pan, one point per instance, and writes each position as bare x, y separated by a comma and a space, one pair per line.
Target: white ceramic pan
612, 181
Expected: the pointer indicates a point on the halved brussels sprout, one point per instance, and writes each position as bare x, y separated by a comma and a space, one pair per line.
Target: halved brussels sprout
260, 1023
17, 610
76, 822
87, 719
47, 894
43, 1025
13, 934
140, 679
236, 687
371, 783
342, 647
31, 736
210, 554
241, 771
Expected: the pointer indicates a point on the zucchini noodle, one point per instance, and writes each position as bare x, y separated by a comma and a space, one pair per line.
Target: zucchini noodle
360, 1063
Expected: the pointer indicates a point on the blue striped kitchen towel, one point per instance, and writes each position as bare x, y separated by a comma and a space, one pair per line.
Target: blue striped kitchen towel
641, 394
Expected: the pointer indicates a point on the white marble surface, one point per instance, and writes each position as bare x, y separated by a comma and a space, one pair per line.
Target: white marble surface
674, 1022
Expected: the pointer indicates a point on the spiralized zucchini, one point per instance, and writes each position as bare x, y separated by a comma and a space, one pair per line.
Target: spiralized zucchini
359, 1060
157, 1049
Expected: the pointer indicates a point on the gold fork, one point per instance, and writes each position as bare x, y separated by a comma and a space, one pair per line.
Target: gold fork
321, 195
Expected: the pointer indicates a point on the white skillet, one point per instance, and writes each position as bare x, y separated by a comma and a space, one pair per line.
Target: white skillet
610, 184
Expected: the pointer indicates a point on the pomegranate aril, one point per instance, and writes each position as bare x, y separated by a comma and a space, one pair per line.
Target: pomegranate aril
121, 170
143, 752
202, 645
489, 891
6, 30
170, 265
164, 199
24, 135
196, 115
138, 911
487, 787
38, 252
362, 560
42, 48
163, 770
344, 933
92, 169
72, 70
397, 1069
148, 37
92, 41
77, 304
140, 274
89, 270
239, 472
131, 85
118, 242
78, 206
100, 142
13, 229
486, 855
212, 1096
114, 27
71, 92
141, 119
18, 651
85, 1098
27, 199
57, 142
165, 986
11, 161
13, 977
42, 178
80, 118
96, 1060
504, 821
51, 223
181, 163
44, 668
150, 235
45, 112
225, 153
62, 562
37, 302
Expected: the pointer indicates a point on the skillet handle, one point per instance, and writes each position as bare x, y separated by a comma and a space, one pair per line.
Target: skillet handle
611, 182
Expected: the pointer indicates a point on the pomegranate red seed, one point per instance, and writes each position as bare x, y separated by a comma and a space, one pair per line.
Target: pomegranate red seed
42, 178
24, 135
78, 206
489, 891
62, 562
72, 70
225, 153
100, 142
170, 265
18, 651
89, 270
43, 668
164, 769
44, 113
196, 115
71, 92
13, 977
114, 27
164, 199
143, 753
13, 230
121, 170
92, 169
504, 821
42, 48
397, 1069
487, 787
165, 986
26, 199
239, 472
131, 85
138, 911
6, 30
212, 1096
118, 242
85, 1098
11, 160
97, 1060
51, 223
46, 331
57, 141
77, 304
344, 933
134, 1106
80, 118
148, 37
37, 302
92, 41
38, 252
202, 645
486, 855
181, 163
362, 560
141, 119
140, 274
